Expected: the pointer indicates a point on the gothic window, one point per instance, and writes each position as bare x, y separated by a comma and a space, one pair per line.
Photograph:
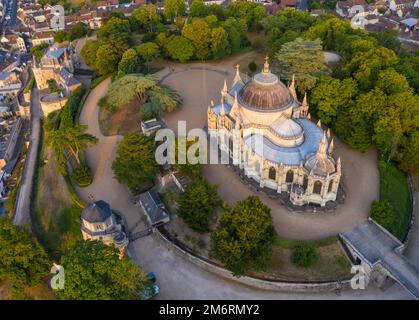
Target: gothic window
329, 189
305, 182
317, 187
290, 176
272, 173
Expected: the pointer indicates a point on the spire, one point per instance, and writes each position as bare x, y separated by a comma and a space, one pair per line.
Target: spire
323, 146
292, 88
304, 104
237, 78
331, 146
319, 123
224, 91
266, 68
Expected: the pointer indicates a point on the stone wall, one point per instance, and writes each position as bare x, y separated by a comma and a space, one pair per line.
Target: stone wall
274, 285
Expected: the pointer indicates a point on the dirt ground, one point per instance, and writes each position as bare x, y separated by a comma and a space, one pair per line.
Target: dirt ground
126, 119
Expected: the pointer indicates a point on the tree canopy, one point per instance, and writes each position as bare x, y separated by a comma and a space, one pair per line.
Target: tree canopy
135, 163
94, 271
244, 237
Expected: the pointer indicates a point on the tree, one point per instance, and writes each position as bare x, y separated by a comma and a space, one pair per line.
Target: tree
77, 31
199, 9
304, 255
174, 8
93, 271
60, 36
383, 213
197, 204
219, 43
244, 237
181, 49
107, 59
115, 28
304, 59
199, 33
149, 51
22, 260
330, 95
252, 66
82, 175
250, 12
39, 50
147, 17
135, 164
88, 52
75, 139
130, 62
140, 87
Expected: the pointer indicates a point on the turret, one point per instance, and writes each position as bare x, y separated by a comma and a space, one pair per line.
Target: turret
237, 78
292, 88
224, 90
323, 146
319, 123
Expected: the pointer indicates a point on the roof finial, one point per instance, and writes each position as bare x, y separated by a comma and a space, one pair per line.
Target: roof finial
225, 90
305, 100
331, 146
319, 123
237, 78
322, 147
266, 65
292, 88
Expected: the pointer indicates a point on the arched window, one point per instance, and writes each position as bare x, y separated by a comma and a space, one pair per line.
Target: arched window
305, 182
329, 189
272, 173
317, 189
290, 176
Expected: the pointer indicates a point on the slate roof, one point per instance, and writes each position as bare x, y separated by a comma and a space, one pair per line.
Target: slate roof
97, 212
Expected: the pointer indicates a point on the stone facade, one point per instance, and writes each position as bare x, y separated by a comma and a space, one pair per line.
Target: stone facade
268, 134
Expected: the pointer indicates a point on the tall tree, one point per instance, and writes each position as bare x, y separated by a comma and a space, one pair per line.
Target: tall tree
22, 260
135, 163
197, 204
244, 237
93, 271
130, 62
147, 17
181, 49
199, 33
174, 8
149, 51
304, 59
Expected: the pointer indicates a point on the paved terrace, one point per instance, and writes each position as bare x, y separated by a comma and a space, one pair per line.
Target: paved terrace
376, 246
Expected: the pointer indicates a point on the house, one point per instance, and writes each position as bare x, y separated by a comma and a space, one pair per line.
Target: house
43, 37
287, 4
16, 42
409, 24
180, 180
98, 222
9, 133
396, 5
107, 4
153, 208
10, 83
349, 8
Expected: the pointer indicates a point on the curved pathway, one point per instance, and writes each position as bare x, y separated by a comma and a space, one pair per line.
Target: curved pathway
178, 278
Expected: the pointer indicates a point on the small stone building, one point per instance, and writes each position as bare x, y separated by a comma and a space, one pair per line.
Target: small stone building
98, 222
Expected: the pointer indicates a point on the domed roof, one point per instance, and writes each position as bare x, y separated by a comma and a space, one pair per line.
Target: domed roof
96, 212
287, 127
265, 92
321, 164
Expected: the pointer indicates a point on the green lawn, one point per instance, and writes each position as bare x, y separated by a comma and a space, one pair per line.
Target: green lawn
394, 188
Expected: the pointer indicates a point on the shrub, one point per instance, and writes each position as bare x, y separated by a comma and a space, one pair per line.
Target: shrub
304, 255
82, 175
252, 66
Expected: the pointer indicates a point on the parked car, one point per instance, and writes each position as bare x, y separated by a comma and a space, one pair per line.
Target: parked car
149, 292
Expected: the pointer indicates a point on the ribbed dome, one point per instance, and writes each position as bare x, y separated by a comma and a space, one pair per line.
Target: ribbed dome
287, 128
320, 165
265, 92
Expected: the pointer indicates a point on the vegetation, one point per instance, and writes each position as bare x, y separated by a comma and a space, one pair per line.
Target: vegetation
77, 31
155, 99
243, 240
304, 255
82, 175
198, 203
94, 271
393, 211
39, 50
303, 59
22, 260
135, 165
